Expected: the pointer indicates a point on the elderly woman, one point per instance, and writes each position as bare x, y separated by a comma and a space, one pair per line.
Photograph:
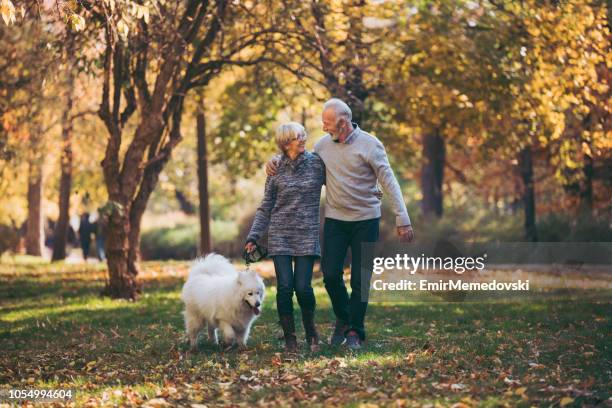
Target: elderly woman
290, 212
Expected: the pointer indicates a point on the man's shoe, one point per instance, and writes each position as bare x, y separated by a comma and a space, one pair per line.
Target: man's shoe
353, 341
338, 336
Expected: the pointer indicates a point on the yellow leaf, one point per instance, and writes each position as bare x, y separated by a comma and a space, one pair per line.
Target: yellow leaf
77, 22
123, 29
565, 401
8, 11
111, 3
143, 12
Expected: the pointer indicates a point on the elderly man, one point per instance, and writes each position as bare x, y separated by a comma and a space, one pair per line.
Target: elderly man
355, 161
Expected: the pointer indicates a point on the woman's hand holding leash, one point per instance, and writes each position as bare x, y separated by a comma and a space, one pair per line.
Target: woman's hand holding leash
250, 247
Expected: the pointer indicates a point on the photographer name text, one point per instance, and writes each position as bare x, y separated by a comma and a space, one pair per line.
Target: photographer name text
441, 285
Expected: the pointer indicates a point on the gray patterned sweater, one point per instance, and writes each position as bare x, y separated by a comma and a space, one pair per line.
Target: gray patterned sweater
290, 207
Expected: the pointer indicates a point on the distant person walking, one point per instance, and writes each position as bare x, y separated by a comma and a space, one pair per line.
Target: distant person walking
100, 231
85, 231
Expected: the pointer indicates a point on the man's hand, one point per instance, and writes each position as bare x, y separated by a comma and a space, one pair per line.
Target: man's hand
405, 233
272, 166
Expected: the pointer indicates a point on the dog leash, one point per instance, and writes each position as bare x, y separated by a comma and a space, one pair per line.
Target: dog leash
259, 253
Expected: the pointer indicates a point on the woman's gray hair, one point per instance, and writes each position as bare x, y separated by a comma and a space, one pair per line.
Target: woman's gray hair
342, 109
287, 132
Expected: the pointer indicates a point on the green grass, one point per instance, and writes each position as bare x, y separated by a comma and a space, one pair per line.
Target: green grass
56, 332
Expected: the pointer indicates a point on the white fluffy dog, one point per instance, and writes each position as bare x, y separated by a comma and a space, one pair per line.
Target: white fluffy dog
219, 296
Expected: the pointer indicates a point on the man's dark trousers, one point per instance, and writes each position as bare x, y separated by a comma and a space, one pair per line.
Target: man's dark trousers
338, 236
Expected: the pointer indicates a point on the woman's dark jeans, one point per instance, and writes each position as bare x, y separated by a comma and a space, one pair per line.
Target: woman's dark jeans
294, 273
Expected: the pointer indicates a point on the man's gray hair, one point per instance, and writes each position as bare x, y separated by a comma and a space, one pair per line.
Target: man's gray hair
340, 107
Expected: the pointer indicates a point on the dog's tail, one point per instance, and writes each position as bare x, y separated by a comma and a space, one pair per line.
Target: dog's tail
212, 264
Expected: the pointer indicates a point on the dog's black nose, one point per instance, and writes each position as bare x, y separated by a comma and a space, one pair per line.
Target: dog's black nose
257, 304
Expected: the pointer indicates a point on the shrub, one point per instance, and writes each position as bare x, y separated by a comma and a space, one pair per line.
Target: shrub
9, 238
181, 241
562, 227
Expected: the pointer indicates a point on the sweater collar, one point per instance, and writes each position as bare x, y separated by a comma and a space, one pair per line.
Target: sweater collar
351, 136
292, 164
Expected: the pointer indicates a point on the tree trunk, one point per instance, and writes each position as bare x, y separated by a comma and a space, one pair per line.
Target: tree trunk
205, 239
586, 191
432, 174
34, 225
134, 244
131, 287
123, 237
137, 210
123, 283
123, 243
136, 213
526, 168
354, 91
131, 177
61, 229
185, 205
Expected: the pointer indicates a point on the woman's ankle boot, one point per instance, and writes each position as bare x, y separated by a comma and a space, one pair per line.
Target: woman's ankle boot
288, 325
312, 336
